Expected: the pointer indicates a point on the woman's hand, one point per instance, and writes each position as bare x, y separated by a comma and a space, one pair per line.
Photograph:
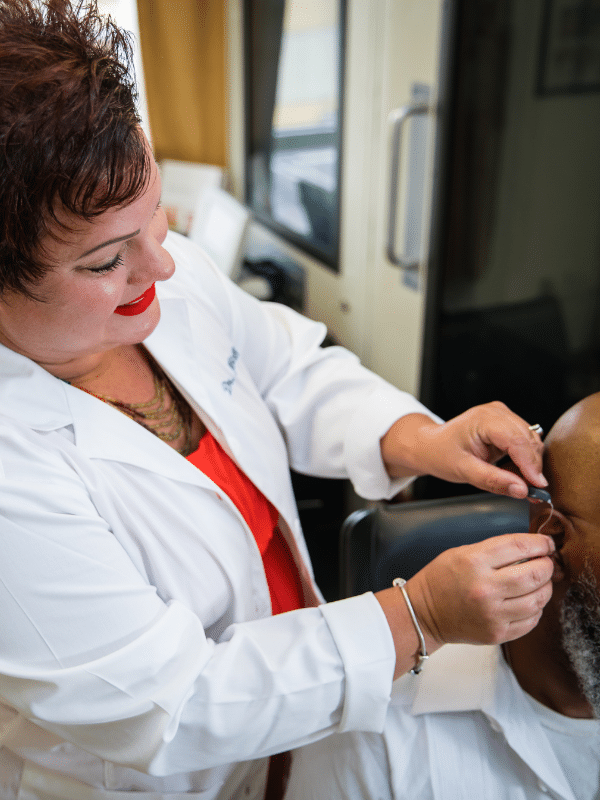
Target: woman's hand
484, 593
463, 450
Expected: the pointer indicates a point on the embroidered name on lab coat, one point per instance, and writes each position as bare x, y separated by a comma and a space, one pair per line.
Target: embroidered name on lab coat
231, 363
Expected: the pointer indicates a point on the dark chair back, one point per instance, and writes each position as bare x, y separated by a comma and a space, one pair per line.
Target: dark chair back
388, 541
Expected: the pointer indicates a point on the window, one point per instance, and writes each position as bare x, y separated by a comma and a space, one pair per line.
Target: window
294, 68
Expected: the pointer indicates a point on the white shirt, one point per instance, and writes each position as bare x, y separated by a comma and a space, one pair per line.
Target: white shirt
576, 743
462, 729
137, 651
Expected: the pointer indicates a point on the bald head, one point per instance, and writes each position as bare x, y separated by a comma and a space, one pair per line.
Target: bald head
572, 461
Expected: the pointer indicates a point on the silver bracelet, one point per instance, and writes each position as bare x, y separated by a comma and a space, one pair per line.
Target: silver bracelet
422, 655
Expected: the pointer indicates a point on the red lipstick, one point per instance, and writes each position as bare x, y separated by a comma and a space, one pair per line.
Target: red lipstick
139, 305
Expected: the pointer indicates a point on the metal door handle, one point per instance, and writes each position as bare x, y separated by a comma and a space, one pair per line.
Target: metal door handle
396, 120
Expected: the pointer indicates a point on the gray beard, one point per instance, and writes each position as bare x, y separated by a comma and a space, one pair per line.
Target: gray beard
580, 623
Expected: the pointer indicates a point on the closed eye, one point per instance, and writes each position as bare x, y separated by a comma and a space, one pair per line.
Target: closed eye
116, 262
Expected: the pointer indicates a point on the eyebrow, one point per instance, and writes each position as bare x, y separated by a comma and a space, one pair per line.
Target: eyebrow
109, 242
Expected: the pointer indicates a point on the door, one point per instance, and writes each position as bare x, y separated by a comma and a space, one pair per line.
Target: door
406, 61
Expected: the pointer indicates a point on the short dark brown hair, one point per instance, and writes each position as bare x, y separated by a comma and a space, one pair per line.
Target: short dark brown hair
69, 128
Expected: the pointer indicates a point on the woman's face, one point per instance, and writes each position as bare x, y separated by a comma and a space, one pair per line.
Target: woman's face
99, 295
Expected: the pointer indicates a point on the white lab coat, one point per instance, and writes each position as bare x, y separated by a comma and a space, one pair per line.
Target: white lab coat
136, 647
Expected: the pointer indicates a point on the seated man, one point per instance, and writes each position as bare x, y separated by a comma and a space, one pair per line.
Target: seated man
522, 721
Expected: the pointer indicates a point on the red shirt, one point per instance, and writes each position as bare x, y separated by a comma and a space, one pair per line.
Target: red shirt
261, 516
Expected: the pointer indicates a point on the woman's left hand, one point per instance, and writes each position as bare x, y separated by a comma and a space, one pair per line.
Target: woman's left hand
463, 449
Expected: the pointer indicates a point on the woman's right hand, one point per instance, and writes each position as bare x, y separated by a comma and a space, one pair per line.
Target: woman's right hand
484, 593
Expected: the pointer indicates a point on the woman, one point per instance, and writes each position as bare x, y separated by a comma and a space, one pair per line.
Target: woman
149, 532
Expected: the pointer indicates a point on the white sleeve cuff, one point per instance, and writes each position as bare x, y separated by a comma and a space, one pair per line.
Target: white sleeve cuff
364, 640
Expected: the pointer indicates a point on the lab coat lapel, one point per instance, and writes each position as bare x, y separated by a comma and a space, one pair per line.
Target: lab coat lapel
207, 371
174, 344
102, 431
190, 355
203, 362
198, 366
29, 394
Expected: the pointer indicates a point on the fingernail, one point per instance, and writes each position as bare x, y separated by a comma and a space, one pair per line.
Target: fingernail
542, 480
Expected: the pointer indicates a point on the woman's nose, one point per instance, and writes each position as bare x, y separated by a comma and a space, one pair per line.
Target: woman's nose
152, 263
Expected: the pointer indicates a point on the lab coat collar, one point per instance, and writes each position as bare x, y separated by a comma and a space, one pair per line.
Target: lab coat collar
108, 434
172, 344
477, 678
31, 395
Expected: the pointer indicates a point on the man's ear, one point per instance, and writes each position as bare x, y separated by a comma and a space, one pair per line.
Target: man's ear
539, 515
544, 519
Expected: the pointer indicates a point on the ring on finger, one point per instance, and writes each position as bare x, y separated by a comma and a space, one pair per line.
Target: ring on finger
536, 429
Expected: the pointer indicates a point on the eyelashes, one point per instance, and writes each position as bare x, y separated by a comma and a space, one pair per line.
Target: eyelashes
118, 260
105, 268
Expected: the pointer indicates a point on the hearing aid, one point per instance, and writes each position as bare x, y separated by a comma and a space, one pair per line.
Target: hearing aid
536, 495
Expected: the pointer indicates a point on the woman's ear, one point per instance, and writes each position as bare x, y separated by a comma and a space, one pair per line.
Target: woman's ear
544, 519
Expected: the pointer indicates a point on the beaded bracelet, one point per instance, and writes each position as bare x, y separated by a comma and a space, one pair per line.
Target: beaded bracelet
422, 655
